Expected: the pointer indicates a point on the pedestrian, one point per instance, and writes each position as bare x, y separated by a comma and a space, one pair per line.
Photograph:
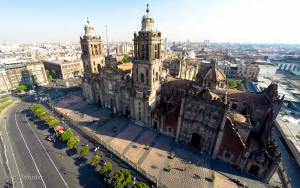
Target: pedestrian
111, 156
101, 154
190, 162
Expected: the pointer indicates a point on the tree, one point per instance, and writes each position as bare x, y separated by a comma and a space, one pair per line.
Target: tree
54, 123
231, 83
244, 81
66, 135
240, 86
47, 72
285, 112
49, 77
39, 111
73, 142
125, 58
44, 115
95, 160
140, 185
106, 169
21, 88
48, 119
29, 86
76, 72
84, 150
53, 72
121, 179
35, 107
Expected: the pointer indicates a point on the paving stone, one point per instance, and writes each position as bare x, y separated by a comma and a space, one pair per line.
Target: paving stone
125, 138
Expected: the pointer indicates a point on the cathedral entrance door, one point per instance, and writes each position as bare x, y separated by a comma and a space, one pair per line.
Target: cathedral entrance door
196, 138
254, 169
155, 125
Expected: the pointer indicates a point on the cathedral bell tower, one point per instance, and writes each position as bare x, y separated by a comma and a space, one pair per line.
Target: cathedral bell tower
147, 68
93, 58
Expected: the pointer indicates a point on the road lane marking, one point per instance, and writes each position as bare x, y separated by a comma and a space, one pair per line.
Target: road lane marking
47, 154
13, 157
29, 151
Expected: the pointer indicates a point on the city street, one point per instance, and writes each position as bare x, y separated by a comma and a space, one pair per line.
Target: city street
33, 162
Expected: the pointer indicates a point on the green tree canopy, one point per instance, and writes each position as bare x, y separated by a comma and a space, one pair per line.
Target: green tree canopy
39, 111
231, 83
43, 115
84, 150
53, 72
140, 185
125, 58
53, 123
29, 86
95, 160
106, 169
35, 107
73, 142
48, 119
66, 135
21, 88
49, 77
121, 179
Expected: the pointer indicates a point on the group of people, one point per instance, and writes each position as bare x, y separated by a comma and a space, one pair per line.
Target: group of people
52, 138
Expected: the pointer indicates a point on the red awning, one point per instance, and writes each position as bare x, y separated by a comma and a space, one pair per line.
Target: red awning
59, 129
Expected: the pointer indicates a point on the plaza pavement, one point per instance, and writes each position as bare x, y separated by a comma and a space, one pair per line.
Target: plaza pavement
129, 141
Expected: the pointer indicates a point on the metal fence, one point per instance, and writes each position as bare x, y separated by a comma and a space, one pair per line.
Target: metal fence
111, 149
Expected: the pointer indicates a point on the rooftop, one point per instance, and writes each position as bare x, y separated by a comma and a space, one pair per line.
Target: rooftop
127, 66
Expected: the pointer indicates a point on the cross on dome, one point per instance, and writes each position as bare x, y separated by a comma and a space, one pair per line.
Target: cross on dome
147, 10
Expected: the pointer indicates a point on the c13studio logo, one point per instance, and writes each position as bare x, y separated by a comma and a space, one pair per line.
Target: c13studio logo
24, 177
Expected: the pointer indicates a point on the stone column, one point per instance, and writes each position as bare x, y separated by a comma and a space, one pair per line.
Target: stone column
180, 120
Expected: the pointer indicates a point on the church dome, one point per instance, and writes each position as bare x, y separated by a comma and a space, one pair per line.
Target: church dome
147, 22
211, 77
89, 29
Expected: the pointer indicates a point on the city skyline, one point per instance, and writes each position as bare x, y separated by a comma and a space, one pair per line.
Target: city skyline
232, 21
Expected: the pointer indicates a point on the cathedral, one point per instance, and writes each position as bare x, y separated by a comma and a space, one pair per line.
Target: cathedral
232, 125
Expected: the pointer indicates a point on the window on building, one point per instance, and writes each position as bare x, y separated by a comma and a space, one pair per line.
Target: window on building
139, 103
170, 130
156, 77
234, 106
227, 155
142, 77
146, 72
253, 122
136, 71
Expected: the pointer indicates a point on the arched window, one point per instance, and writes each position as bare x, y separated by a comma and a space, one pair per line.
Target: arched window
142, 77
98, 67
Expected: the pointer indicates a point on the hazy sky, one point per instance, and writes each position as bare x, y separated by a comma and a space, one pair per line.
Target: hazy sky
245, 21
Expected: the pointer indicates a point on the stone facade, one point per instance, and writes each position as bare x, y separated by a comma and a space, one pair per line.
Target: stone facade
235, 126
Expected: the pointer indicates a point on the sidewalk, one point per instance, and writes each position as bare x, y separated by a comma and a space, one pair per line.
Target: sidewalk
129, 141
